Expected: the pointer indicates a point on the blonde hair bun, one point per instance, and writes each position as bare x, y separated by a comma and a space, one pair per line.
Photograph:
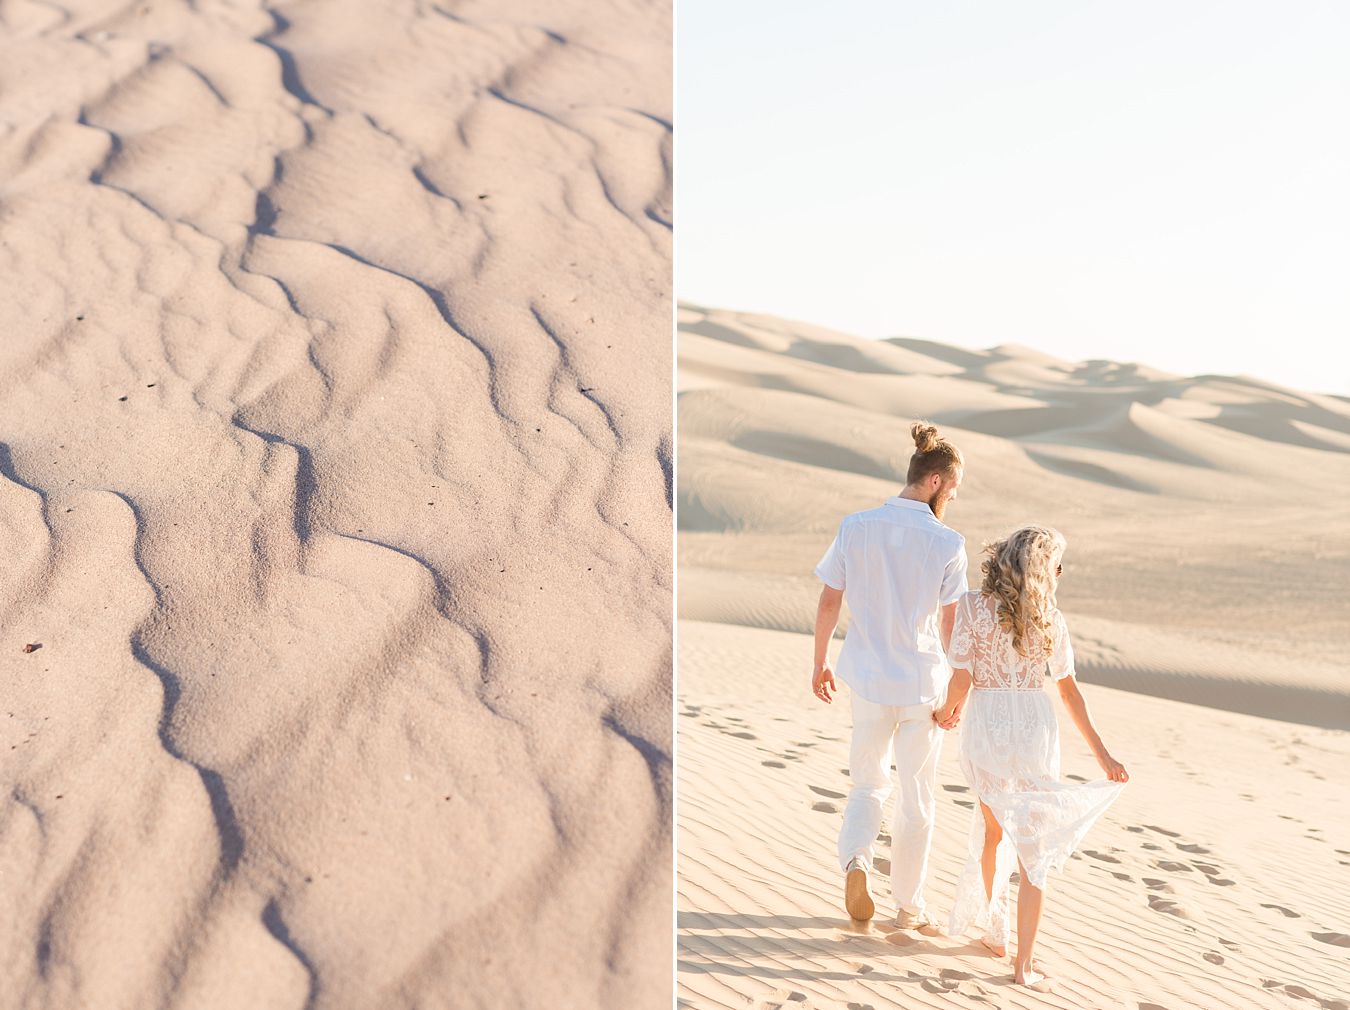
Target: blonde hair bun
926, 437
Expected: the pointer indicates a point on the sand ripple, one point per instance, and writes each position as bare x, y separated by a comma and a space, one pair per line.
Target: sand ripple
335, 448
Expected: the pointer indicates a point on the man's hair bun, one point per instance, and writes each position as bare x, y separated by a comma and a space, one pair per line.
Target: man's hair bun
925, 436
932, 453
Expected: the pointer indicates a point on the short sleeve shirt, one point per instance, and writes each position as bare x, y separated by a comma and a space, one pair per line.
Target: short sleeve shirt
897, 564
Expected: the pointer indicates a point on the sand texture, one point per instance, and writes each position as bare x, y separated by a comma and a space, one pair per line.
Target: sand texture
1204, 587
335, 449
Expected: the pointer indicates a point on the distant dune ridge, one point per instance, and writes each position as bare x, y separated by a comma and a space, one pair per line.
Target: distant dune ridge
1206, 576
1208, 552
335, 455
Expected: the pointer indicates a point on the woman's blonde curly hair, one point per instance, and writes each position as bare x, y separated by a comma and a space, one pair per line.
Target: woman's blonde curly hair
1019, 572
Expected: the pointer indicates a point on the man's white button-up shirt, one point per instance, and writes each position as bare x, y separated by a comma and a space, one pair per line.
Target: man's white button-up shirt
896, 564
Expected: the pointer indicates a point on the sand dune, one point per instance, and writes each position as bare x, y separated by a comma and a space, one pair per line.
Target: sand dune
1199, 888
1204, 586
336, 377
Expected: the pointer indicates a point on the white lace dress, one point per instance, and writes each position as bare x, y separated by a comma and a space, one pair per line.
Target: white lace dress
1010, 756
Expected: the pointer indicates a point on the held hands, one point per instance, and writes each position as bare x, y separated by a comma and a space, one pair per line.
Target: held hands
1115, 771
823, 685
947, 715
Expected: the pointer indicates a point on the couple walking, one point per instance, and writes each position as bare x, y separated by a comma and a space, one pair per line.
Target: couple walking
981, 664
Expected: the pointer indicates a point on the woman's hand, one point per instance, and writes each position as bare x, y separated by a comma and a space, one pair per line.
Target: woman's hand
947, 715
1115, 771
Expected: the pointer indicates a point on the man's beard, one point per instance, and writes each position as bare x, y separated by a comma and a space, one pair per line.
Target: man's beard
938, 503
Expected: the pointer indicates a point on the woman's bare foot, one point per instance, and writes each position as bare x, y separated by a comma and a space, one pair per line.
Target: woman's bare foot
1029, 976
999, 950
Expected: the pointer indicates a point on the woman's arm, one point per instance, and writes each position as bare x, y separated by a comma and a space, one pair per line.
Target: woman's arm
957, 689
1078, 712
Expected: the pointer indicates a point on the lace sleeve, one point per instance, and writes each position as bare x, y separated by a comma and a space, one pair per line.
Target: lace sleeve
1061, 655
963, 636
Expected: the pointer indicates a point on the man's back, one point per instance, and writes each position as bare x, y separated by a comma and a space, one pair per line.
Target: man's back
896, 564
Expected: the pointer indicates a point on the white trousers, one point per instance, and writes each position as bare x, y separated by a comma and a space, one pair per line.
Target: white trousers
908, 735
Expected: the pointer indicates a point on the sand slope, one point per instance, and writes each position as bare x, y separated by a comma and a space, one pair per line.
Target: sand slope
1217, 880
1204, 587
335, 404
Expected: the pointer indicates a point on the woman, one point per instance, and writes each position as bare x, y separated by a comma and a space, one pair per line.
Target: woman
1007, 633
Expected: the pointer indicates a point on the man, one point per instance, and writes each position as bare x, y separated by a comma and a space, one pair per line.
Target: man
899, 565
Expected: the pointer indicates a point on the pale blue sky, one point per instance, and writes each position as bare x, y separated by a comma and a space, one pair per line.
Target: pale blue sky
1163, 182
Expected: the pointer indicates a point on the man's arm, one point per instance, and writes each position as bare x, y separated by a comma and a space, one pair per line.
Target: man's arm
948, 622
827, 619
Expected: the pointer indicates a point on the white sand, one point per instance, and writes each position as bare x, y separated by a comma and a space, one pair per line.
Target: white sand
1204, 586
335, 442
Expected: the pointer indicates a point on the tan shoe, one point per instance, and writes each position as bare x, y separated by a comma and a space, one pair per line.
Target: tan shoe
856, 897
913, 920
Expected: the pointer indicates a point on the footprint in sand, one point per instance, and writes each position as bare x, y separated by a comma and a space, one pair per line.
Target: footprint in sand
781, 999
969, 806
1212, 875
1287, 913
1163, 831
826, 808
828, 793
957, 789
1335, 939
861, 1006
1104, 857
1229, 944
779, 764
1151, 847
1198, 850
1135, 828
743, 735
1303, 992
1151, 1006
1172, 867
1154, 884
1213, 957
1167, 906
883, 865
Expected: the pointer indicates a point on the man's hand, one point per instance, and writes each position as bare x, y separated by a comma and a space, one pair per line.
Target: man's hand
823, 685
947, 716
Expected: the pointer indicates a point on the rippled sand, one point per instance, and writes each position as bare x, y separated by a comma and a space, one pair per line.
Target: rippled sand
336, 452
